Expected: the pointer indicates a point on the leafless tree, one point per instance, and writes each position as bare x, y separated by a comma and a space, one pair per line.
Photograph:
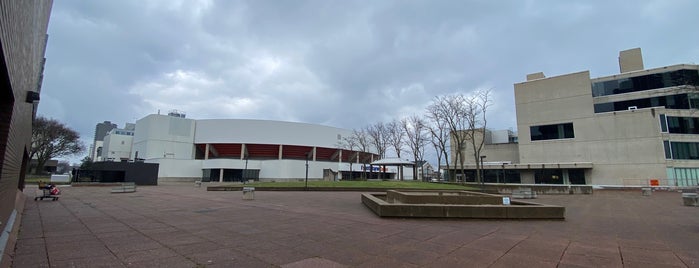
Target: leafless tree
477, 107
439, 133
450, 111
415, 130
395, 136
378, 137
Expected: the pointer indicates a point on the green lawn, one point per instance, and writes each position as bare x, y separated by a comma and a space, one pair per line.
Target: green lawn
363, 184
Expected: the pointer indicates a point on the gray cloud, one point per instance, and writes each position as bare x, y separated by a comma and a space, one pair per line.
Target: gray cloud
339, 63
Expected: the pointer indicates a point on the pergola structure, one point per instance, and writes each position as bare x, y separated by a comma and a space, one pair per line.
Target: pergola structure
400, 163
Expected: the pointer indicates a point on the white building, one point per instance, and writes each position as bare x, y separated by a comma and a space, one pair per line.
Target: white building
117, 144
242, 149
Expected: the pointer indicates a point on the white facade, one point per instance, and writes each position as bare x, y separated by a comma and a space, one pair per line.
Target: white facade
162, 136
226, 149
116, 147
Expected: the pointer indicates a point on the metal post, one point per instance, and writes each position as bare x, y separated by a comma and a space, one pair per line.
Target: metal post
306, 187
482, 178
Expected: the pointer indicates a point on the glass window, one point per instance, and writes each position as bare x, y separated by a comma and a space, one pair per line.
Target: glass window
645, 82
663, 123
682, 125
548, 176
576, 176
684, 150
668, 152
552, 132
679, 101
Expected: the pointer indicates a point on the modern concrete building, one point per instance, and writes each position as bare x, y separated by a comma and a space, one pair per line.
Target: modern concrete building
636, 128
116, 145
101, 130
240, 149
23, 26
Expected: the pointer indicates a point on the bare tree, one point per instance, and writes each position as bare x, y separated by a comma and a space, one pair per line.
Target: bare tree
477, 107
450, 111
51, 139
415, 129
363, 144
395, 136
378, 137
439, 130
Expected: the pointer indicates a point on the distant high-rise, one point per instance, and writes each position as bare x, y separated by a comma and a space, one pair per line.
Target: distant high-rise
101, 130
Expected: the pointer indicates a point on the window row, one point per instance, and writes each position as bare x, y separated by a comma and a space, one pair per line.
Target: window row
679, 125
679, 101
552, 132
681, 150
645, 82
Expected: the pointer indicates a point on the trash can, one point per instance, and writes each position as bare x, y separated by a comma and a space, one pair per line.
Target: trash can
646, 191
690, 199
248, 193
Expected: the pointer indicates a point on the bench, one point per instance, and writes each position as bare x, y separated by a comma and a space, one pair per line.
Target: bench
523, 193
126, 187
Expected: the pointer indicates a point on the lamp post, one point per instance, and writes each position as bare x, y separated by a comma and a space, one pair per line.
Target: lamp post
482, 170
306, 187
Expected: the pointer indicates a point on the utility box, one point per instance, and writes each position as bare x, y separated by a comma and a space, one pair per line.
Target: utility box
248, 193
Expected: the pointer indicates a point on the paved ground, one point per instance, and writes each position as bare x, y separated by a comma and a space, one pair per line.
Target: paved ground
183, 226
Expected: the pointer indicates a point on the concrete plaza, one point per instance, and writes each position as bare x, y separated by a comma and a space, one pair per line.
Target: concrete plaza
184, 226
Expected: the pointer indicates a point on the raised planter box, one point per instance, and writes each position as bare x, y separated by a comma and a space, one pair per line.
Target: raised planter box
386, 206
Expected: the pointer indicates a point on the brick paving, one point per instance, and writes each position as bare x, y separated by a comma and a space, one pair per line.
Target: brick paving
184, 226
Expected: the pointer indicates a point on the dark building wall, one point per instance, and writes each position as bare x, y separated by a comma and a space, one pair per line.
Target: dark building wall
137, 172
102, 129
23, 26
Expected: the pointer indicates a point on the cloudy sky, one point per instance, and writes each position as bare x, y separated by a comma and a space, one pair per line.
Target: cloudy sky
339, 63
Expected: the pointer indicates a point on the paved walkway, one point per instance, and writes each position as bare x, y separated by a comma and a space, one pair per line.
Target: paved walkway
183, 226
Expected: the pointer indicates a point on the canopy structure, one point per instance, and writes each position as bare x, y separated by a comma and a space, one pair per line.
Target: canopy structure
395, 161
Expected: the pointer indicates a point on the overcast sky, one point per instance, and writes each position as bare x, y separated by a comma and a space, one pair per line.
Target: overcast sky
338, 63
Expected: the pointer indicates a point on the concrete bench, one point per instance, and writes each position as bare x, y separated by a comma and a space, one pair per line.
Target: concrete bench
523, 193
690, 199
248, 193
127, 187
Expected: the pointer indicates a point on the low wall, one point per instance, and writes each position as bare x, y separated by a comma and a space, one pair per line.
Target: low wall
516, 210
542, 189
442, 197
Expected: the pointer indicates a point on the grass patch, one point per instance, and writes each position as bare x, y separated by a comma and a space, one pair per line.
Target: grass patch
34, 179
363, 184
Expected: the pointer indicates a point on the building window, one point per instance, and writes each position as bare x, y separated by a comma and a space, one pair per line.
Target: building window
668, 150
552, 132
679, 101
576, 176
663, 123
645, 82
548, 176
682, 125
684, 150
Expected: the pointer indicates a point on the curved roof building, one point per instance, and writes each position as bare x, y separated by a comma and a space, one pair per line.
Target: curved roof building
243, 149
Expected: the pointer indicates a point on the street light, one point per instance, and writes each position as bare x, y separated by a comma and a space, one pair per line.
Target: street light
482, 170
306, 187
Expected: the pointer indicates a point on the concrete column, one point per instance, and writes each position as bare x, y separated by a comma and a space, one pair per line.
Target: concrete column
206, 152
242, 151
314, 153
220, 175
281, 150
